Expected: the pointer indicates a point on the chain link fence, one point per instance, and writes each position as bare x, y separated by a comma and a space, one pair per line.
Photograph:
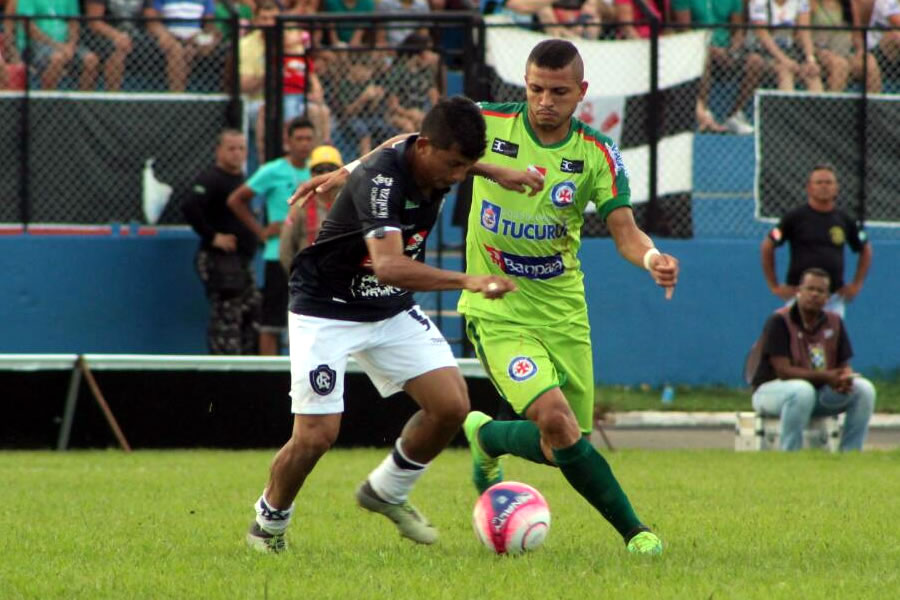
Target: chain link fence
358, 96
711, 151
113, 127
729, 152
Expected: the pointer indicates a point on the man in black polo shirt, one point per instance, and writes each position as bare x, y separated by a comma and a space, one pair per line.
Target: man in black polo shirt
227, 247
351, 295
817, 232
804, 368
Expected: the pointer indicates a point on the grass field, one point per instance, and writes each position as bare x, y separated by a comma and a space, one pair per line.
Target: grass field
170, 525
622, 398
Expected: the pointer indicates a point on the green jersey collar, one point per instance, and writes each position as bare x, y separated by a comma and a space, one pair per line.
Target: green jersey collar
534, 137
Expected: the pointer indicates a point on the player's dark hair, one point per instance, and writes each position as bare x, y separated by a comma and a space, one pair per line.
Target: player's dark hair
555, 55
815, 272
456, 120
299, 123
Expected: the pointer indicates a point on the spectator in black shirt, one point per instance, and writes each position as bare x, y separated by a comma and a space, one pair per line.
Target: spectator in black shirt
226, 250
351, 295
817, 232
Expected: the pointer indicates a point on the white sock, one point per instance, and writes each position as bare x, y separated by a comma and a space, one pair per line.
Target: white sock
272, 520
395, 476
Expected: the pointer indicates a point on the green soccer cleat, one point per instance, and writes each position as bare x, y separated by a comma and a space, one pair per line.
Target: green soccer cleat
486, 470
263, 541
410, 522
645, 543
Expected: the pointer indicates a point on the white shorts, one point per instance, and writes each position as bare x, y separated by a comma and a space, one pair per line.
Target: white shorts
391, 352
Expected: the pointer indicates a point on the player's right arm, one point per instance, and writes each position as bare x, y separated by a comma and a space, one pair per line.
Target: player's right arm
392, 267
327, 184
511, 179
636, 247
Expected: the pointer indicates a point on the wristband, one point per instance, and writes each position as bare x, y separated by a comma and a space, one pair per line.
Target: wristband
350, 166
648, 255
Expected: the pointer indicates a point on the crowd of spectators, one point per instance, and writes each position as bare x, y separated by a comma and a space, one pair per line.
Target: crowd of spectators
355, 99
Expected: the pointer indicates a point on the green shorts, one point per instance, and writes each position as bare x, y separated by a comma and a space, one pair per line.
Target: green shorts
524, 362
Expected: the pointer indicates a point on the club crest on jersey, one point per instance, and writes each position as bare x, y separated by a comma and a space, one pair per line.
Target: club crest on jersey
505, 148
521, 368
322, 380
490, 216
562, 194
571, 166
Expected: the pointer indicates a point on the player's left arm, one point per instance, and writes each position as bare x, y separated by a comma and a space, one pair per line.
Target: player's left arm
510, 179
636, 247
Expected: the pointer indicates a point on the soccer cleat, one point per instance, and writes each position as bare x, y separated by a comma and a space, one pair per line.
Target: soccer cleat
263, 541
645, 543
486, 470
410, 522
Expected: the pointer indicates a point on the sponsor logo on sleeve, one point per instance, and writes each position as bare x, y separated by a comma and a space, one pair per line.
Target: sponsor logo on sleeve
571, 166
521, 368
529, 267
505, 148
379, 194
617, 159
562, 195
322, 380
490, 215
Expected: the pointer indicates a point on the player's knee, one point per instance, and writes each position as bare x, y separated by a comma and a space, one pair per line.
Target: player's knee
557, 423
317, 443
454, 407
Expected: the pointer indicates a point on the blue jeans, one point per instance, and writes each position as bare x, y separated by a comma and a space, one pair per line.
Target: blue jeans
796, 401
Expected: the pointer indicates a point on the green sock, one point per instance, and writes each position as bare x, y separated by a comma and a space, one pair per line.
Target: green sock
519, 438
589, 473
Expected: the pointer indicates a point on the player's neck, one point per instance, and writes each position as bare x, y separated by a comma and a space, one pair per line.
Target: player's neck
297, 163
548, 137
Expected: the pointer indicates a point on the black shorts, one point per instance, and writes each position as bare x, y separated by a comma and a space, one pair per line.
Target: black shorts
275, 298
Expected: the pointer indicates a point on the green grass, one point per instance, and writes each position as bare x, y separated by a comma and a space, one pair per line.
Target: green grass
154, 525
614, 398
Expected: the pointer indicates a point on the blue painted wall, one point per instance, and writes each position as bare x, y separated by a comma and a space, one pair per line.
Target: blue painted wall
125, 294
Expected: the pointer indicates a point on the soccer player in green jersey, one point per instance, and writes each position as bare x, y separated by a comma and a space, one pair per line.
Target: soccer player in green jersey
541, 169
535, 344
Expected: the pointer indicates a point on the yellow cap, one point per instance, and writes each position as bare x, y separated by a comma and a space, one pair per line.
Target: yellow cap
325, 154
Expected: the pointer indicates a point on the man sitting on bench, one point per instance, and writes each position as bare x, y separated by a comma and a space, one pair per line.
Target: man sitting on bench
804, 369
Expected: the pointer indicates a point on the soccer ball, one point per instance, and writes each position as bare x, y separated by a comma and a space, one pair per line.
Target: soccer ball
511, 518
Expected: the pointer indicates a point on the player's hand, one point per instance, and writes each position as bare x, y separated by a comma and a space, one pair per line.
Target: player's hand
491, 286
849, 291
664, 270
785, 292
225, 242
325, 186
530, 181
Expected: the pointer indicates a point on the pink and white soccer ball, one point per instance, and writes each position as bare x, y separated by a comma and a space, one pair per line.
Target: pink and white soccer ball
511, 518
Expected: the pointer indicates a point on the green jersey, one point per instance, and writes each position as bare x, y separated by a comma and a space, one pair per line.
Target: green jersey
535, 240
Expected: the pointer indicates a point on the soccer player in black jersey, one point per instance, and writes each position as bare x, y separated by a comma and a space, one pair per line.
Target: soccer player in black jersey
351, 295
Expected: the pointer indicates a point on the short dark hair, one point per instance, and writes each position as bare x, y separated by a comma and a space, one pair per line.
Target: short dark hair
823, 166
815, 272
228, 131
299, 123
456, 120
556, 54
